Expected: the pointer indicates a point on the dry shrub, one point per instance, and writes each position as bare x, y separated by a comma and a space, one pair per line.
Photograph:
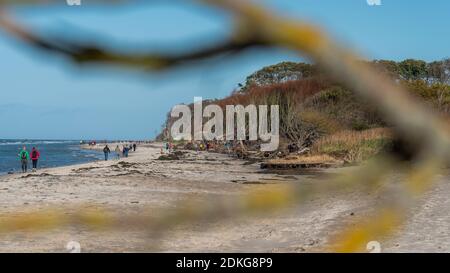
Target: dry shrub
354, 146
281, 93
289, 96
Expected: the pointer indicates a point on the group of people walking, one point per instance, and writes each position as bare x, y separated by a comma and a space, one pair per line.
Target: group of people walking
24, 157
119, 152
34, 155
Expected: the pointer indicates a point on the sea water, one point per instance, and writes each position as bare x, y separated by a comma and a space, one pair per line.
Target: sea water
54, 153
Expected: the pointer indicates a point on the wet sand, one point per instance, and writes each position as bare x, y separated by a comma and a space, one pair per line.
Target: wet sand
141, 183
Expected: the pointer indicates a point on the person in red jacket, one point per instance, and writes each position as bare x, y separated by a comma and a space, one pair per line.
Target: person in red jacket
35, 157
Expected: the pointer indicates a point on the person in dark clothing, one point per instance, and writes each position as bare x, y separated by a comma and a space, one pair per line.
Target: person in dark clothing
134, 147
24, 156
125, 151
106, 151
35, 157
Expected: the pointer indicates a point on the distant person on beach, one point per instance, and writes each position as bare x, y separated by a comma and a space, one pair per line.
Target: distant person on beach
106, 151
117, 150
35, 157
125, 151
134, 147
24, 157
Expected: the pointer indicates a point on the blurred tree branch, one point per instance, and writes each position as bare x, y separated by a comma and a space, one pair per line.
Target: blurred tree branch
83, 53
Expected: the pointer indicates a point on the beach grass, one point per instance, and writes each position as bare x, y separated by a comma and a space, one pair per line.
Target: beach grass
354, 146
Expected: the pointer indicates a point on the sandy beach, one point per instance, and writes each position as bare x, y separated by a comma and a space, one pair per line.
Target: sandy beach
132, 185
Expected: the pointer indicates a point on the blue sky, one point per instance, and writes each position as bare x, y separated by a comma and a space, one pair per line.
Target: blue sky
43, 96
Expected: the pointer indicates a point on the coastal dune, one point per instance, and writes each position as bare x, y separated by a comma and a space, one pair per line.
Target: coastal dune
143, 184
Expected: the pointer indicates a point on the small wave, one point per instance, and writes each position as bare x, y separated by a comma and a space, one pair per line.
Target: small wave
35, 142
